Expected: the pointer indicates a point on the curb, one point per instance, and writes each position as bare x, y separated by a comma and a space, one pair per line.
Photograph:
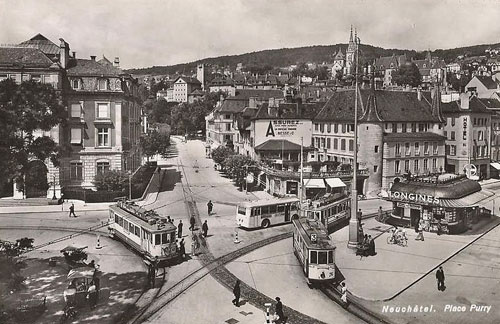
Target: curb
50, 211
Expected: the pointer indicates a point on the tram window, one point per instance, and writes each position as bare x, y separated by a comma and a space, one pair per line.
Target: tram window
272, 209
116, 219
264, 210
131, 228
157, 239
164, 238
281, 208
120, 221
330, 256
125, 225
322, 257
241, 210
172, 237
137, 231
314, 257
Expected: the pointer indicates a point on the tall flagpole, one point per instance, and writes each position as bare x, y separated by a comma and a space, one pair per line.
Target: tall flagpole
353, 222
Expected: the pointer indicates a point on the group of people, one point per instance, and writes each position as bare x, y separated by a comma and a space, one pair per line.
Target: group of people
367, 246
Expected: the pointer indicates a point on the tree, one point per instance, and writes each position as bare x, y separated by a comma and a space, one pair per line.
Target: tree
154, 143
235, 166
458, 82
111, 181
221, 153
407, 74
24, 109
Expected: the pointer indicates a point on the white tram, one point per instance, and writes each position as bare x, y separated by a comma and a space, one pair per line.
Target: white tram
314, 250
332, 210
143, 230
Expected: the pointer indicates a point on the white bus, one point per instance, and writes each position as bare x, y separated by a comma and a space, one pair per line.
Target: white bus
263, 213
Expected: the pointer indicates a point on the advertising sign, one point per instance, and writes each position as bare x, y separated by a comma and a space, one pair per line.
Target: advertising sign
288, 129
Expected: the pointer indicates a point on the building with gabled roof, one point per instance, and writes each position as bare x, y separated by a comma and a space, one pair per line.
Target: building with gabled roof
484, 87
183, 86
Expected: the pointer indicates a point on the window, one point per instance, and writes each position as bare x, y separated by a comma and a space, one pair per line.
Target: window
407, 166
342, 144
426, 147
351, 145
335, 128
421, 128
76, 110
413, 127
34, 77
436, 148
322, 127
76, 170
434, 164
398, 149
322, 142
375, 168
3, 77
417, 148
475, 122
397, 166
480, 135
415, 166
75, 84
407, 148
228, 127
335, 143
351, 128
343, 128
329, 128
394, 127
103, 84
316, 127
452, 121
452, 135
403, 128
322, 257
314, 257
376, 148
426, 164
102, 110
103, 137
227, 116
157, 239
102, 167
453, 149
76, 136
328, 142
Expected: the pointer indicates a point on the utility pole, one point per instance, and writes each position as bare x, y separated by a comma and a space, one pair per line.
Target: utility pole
129, 185
301, 169
246, 180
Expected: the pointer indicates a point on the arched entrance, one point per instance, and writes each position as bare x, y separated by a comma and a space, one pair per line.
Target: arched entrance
36, 184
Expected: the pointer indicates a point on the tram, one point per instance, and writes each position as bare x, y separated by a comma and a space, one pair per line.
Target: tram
332, 210
314, 250
143, 230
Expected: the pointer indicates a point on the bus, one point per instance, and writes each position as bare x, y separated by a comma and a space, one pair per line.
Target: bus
264, 213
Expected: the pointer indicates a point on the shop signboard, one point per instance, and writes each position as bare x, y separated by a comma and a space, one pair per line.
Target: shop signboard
409, 206
413, 198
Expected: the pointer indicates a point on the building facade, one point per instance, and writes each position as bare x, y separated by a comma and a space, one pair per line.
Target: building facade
183, 86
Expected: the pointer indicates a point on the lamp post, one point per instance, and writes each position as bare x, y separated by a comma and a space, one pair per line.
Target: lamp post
129, 185
54, 184
353, 222
246, 179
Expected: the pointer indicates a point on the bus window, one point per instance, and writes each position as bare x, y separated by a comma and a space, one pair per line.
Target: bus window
314, 257
157, 239
322, 257
281, 208
272, 209
256, 211
293, 206
164, 238
242, 210
264, 210
330, 256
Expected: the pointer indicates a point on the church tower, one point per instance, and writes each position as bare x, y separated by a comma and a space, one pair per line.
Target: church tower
351, 51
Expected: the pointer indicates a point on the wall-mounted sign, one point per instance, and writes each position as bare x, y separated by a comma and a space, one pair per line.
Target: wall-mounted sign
464, 133
288, 129
413, 197
409, 206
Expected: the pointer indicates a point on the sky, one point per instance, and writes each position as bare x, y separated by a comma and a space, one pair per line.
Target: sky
144, 33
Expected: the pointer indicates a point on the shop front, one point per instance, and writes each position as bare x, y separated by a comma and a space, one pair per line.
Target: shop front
446, 202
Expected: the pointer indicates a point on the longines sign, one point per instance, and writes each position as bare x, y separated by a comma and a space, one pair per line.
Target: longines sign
413, 197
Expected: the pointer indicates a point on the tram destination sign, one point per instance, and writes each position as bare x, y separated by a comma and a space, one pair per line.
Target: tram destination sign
413, 197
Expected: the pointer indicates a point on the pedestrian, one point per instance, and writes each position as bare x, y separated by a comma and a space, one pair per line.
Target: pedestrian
420, 235
194, 244
179, 229
236, 293
210, 207
72, 210
182, 250
192, 221
343, 291
440, 279
439, 226
204, 227
371, 245
92, 295
279, 311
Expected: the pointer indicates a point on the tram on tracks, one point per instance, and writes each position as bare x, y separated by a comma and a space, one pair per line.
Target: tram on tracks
332, 210
314, 250
144, 231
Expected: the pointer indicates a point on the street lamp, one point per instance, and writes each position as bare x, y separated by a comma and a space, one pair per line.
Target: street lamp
246, 179
54, 183
130, 185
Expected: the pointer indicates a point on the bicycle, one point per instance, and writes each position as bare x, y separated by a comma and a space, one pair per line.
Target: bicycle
400, 240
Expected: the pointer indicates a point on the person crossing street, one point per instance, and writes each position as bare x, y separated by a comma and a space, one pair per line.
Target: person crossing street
179, 229
210, 207
72, 210
204, 227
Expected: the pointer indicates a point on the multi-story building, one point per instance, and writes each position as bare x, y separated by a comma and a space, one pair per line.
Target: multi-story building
385, 66
468, 135
484, 87
104, 121
183, 86
398, 133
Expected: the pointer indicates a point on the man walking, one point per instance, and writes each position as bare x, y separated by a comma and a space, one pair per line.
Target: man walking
179, 229
210, 207
204, 227
192, 221
279, 311
236, 292
440, 279
72, 210
182, 250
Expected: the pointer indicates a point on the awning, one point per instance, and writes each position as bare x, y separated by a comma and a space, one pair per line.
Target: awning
496, 165
335, 182
468, 201
314, 183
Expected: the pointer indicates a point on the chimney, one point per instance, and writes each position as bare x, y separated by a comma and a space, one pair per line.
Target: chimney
419, 94
74, 55
464, 101
272, 102
92, 57
116, 63
63, 53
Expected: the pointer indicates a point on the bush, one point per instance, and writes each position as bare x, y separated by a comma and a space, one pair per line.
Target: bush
111, 181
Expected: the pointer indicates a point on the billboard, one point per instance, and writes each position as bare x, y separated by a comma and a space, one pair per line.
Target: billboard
287, 129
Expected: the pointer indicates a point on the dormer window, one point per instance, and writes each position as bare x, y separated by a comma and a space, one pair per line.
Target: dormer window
75, 84
102, 84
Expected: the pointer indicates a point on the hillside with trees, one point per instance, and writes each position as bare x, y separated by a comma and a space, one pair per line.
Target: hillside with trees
263, 61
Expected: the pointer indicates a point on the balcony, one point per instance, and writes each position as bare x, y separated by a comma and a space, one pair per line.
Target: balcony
307, 175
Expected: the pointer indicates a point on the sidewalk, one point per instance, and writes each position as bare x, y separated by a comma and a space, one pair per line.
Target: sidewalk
394, 268
79, 207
